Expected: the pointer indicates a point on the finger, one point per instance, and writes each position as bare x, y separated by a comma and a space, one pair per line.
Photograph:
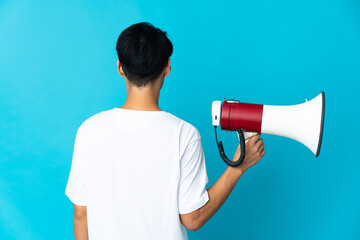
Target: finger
263, 152
262, 146
259, 138
259, 142
254, 138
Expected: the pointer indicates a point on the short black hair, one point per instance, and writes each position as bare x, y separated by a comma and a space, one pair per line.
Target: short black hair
143, 52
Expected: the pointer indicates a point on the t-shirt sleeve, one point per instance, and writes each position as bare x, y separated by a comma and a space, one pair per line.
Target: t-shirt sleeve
75, 188
193, 178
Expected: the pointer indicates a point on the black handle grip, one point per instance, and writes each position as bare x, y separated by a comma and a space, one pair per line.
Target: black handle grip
242, 154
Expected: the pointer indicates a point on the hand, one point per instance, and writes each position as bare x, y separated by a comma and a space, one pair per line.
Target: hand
254, 152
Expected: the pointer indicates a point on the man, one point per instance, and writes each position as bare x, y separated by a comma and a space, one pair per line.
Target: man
139, 172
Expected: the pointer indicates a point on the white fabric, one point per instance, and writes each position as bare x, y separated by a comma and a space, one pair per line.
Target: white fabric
136, 171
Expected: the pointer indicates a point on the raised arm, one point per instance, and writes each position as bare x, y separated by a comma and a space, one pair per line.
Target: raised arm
220, 191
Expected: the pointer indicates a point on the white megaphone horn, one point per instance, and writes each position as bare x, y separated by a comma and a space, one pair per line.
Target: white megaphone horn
302, 122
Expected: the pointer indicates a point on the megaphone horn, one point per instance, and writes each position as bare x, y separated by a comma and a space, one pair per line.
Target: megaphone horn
302, 122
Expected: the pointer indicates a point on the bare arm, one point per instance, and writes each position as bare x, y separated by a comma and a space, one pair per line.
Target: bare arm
80, 223
220, 191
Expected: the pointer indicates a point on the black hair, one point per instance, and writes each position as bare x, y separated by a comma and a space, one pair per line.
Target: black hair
143, 52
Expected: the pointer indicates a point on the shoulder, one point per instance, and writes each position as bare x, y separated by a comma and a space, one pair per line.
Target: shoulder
188, 132
95, 120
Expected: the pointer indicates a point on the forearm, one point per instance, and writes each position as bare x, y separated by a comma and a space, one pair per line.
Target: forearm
218, 193
80, 228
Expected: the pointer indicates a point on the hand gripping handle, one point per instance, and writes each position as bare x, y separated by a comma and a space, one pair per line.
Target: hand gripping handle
222, 152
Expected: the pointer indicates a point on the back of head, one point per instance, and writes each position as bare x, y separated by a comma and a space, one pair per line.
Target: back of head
143, 52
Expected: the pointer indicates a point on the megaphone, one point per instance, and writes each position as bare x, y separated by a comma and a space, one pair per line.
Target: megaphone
302, 122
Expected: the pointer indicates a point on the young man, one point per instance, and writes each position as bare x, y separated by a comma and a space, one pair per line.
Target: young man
139, 172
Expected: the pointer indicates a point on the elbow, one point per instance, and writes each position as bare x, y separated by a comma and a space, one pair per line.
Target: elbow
192, 221
193, 226
79, 217
80, 212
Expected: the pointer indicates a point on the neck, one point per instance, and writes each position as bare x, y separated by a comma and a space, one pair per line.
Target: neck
142, 99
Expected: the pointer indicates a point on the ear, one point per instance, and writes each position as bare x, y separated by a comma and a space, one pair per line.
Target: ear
120, 69
167, 69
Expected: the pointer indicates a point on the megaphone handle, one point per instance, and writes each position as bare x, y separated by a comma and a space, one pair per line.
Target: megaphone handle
247, 135
242, 154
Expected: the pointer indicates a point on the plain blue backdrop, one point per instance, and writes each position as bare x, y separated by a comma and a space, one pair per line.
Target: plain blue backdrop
58, 67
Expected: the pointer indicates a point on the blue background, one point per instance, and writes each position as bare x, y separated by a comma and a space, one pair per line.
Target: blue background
58, 67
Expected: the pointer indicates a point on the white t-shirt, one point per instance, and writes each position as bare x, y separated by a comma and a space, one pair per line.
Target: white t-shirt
136, 171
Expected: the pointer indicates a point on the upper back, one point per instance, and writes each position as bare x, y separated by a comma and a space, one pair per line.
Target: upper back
131, 165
